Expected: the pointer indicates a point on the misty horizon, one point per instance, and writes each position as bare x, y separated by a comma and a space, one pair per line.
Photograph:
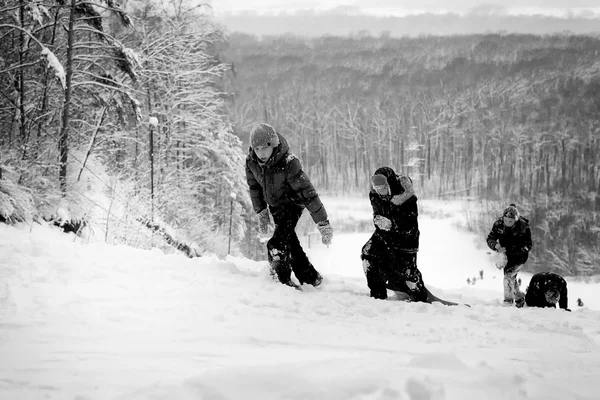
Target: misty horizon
484, 19
486, 9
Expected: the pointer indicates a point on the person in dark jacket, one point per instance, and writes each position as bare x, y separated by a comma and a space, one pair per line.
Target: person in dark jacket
511, 236
279, 185
546, 289
389, 257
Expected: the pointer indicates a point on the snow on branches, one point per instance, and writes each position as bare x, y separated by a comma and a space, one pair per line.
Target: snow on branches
53, 63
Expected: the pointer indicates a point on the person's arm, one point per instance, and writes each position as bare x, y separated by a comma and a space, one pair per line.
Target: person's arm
493, 236
256, 191
301, 185
532, 295
527, 243
379, 219
409, 191
564, 299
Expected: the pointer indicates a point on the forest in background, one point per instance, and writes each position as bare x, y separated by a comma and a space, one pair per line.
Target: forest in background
112, 122
498, 117
132, 122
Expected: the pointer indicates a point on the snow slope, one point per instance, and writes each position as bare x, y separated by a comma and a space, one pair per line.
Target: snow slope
93, 321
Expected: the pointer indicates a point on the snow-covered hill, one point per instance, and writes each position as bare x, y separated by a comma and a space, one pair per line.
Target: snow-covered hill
94, 322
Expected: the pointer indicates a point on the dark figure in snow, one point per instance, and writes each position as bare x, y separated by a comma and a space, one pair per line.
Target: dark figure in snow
389, 258
511, 235
579, 303
468, 281
279, 185
480, 274
545, 290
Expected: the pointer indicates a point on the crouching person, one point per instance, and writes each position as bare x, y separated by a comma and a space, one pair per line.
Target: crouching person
279, 185
389, 257
546, 289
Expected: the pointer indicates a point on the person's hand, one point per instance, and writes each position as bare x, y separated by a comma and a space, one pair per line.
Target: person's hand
263, 222
500, 249
326, 231
397, 199
382, 222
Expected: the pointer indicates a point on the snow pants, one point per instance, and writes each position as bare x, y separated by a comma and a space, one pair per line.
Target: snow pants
285, 252
511, 288
387, 267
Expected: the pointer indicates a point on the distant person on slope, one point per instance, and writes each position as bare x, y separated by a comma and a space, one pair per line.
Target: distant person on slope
279, 185
546, 289
389, 258
511, 236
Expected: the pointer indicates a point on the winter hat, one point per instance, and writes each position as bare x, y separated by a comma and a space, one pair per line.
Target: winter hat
263, 135
511, 212
552, 295
379, 180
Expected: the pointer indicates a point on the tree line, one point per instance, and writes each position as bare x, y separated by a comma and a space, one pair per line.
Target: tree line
79, 83
135, 119
507, 118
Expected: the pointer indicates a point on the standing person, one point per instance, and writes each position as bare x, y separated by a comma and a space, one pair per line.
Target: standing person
511, 236
546, 289
279, 185
389, 257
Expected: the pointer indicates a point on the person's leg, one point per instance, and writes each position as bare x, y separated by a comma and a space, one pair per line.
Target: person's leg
408, 272
511, 288
301, 265
279, 251
373, 259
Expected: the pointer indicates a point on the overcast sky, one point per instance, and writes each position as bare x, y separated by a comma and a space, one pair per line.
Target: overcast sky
400, 6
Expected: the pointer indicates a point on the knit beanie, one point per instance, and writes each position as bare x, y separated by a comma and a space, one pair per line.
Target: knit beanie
511, 212
552, 294
263, 135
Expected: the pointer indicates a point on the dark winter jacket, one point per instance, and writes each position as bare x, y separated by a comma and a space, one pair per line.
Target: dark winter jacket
516, 240
281, 183
404, 233
542, 282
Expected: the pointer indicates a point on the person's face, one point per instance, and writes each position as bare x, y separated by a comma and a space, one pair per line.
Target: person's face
263, 152
382, 190
508, 221
552, 297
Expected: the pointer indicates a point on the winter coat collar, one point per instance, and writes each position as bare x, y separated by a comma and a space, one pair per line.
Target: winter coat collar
520, 226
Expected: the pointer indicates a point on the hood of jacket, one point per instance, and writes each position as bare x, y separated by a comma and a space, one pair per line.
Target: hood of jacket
392, 179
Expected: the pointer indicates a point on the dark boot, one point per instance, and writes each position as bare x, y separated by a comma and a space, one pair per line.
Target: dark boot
380, 294
316, 280
291, 283
281, 271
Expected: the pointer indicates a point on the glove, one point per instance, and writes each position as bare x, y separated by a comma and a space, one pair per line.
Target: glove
499, 260
382, 222
326, 231
397, 199
263, 222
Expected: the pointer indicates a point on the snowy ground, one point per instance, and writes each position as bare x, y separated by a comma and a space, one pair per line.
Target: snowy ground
94, 322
